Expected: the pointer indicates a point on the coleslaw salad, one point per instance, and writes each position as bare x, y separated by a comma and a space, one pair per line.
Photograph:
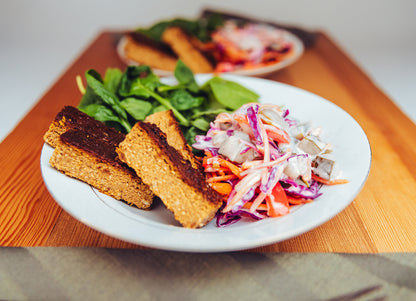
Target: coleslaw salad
264, 161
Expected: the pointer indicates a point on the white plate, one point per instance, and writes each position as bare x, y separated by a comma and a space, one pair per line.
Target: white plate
295, 53
157, 228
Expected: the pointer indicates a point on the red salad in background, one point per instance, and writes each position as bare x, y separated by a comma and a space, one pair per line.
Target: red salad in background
247, 46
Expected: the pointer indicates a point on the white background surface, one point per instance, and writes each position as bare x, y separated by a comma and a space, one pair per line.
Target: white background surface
39, 39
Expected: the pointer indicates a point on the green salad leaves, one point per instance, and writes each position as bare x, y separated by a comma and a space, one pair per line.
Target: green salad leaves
120, 99
200, 28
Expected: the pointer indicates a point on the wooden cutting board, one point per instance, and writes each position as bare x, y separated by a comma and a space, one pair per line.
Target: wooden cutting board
381, 219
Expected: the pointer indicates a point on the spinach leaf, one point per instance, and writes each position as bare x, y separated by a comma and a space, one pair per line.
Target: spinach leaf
142, 82
138, 81
89, 98
155, 32
166, 103
190, 134
112, 79
158, 108
122, 98
104, 114
137, 108
185, 77
95, 82
101, 103
182, 100
208, 114
230, 94
201, 123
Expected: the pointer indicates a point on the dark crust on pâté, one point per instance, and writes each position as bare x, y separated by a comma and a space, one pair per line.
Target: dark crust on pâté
102, 149
190, 175
174, 127
75, 119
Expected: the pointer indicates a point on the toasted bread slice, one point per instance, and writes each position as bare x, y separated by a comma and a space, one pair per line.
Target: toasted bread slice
167, 123
72, 118
94, 160
181, 187
179, 41
147, 54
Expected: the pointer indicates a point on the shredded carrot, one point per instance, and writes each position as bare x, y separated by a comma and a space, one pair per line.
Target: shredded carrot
222, 188
250, 164
261, 207
233, 168
217, 164
329, 182
279, 136
221, 178
208, 154
241, 118
218, 169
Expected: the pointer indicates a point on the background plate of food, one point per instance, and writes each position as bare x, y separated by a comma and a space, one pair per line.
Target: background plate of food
212, 43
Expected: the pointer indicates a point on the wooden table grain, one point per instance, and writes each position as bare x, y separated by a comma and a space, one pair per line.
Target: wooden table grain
382, 218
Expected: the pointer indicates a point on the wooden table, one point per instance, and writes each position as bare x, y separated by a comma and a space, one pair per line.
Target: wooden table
381, 219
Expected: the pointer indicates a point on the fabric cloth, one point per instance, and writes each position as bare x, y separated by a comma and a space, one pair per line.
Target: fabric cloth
41, 273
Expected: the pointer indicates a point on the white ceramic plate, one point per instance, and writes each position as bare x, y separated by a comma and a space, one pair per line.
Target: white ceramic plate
158, 229
295, 54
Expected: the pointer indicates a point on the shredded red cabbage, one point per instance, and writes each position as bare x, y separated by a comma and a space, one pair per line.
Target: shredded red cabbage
301, 191
271, 180
253, 120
